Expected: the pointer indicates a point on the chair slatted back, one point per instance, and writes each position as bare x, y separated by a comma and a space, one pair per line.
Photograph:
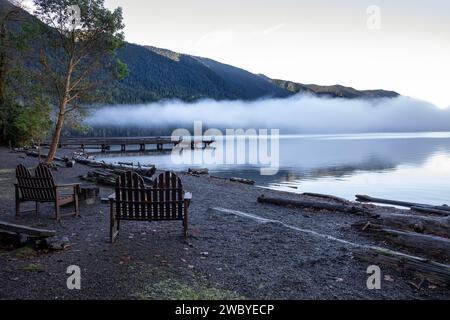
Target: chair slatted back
164, 201
45, 181
25, 182
41, 187
129, 195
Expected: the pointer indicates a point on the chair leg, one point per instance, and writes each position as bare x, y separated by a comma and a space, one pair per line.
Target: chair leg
185, 223
57, 212
77, 205
17, 207
17, 202
113, 225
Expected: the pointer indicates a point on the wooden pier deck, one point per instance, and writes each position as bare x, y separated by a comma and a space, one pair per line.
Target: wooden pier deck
105, 143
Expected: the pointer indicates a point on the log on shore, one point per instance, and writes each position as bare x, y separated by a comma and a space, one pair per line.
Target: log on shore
420, 224
145, 171
432, 271
428, 245
202, 171
432, 211
242, 180
108, 177
365, 198
36, 154
326, 196
29, 231
314, 205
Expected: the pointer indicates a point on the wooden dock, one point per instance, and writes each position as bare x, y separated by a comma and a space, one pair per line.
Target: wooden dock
105, 144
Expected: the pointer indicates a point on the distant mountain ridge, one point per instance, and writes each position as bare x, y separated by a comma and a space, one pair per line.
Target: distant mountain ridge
157, 74
336, 91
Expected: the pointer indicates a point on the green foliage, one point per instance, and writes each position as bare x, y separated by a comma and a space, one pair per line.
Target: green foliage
173, 290
28, 124
82, 53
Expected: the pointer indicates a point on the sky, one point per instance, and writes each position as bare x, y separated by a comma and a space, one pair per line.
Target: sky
395, 45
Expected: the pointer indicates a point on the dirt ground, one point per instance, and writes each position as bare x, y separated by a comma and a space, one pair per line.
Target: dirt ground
226, 257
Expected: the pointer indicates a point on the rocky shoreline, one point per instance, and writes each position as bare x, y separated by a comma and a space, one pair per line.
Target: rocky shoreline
227, 255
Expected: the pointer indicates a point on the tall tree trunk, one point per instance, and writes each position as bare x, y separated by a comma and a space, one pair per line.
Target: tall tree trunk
62, 113
56, 135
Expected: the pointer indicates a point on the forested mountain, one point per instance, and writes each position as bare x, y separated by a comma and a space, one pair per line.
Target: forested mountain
162, 74
158, 74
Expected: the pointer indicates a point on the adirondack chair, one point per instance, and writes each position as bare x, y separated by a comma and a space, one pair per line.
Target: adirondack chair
42, 188
164, 201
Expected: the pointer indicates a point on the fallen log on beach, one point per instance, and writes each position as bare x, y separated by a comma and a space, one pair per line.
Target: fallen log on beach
26, 230
430, 211
201, 171
242, 180
145, 171
420, 224
108, 177
314, 205
325, 196
432, 271
428, 245
365, 198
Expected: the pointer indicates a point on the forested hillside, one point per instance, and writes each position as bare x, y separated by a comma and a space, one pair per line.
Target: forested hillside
157, 74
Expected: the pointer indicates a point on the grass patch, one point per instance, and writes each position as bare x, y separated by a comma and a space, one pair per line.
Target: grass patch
24, 252
173, 290
33, 267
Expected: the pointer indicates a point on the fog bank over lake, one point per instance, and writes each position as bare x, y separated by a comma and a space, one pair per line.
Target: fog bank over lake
297, 114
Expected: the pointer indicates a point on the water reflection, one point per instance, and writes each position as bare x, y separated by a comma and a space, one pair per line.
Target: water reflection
411, 167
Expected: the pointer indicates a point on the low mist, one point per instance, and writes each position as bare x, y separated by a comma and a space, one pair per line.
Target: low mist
297, 114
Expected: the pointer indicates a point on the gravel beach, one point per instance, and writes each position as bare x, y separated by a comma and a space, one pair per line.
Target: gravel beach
227, 255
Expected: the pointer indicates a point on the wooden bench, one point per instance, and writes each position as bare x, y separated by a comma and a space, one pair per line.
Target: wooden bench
165, 201
42, 188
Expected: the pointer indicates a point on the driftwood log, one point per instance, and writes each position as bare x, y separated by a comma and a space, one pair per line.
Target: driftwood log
36, 154
421, 224
29, 231
108, 177
314, 205
431, 211
242, 180
427, 245
145, 171
326, 196
364, 198
201, 171
423, 268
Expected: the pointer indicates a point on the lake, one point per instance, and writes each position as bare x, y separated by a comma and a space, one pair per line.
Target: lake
403, 166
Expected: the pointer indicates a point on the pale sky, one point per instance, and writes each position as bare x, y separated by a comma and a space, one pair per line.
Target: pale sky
321, 42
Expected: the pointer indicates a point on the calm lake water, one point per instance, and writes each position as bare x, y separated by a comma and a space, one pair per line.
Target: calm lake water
404, 166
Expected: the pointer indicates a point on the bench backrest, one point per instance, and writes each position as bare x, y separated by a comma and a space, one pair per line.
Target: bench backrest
40, 187
163, 201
